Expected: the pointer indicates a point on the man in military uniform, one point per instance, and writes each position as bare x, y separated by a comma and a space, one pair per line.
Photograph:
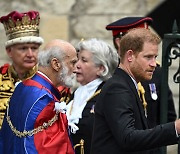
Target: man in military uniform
22, 45
150, 91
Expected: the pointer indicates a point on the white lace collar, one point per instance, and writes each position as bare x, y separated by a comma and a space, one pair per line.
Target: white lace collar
81, 96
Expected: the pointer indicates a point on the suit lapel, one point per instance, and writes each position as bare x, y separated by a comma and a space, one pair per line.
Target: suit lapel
138, 101
98, 90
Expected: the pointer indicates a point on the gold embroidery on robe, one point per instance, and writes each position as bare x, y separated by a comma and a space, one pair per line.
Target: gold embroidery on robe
7, 84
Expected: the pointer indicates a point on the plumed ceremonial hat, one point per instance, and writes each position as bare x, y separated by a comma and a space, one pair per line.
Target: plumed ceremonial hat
121, 26
22, 27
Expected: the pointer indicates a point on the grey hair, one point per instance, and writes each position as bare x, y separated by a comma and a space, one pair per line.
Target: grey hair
45, 56
103, 55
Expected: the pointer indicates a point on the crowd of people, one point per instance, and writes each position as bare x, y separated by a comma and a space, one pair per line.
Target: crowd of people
115, 102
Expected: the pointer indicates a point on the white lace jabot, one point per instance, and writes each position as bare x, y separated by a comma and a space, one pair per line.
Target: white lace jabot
81, 96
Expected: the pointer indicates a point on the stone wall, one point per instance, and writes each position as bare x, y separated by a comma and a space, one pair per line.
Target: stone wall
73, 20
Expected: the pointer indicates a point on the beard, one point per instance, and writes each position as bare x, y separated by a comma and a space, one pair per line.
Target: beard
140, 74
66, 79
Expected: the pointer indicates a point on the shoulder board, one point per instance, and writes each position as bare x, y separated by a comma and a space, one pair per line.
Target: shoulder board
4, 68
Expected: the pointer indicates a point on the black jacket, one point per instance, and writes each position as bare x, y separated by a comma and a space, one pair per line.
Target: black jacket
85, 124
153, 107
120, 124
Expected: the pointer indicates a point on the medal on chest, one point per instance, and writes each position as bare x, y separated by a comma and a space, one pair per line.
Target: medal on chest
153, 91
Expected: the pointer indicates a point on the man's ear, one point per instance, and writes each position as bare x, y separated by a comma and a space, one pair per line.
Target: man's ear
55, 64
130, 54
117, 41
9, 52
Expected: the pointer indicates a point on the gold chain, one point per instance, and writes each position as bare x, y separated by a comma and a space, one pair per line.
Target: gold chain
26, 133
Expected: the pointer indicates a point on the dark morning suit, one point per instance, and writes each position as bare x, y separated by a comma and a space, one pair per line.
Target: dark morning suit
120, 125
153, 107
86, 125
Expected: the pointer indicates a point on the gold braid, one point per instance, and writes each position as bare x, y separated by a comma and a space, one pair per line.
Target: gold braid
141, 93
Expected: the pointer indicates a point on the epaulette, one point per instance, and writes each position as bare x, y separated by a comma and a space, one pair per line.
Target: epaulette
4, 68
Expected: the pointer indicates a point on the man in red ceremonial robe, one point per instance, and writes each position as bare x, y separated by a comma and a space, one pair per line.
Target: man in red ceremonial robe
38, 124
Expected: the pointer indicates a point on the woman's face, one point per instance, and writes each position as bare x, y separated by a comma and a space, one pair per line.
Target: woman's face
86, 71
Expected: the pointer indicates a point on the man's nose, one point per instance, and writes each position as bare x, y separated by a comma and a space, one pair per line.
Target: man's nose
29, 52
153, 62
